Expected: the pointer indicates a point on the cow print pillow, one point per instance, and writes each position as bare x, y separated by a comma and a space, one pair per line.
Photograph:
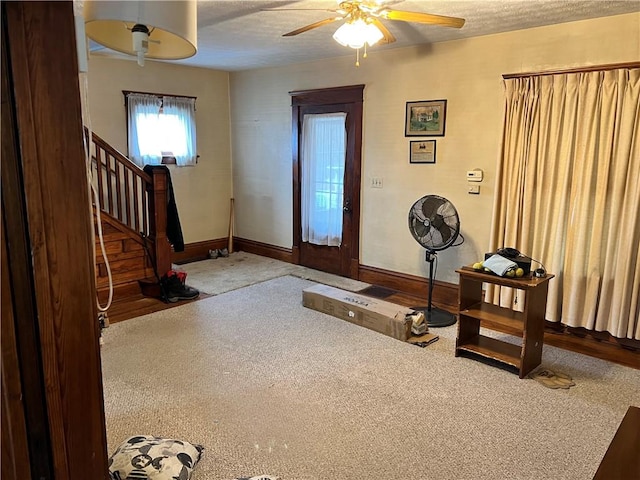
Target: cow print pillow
145, 457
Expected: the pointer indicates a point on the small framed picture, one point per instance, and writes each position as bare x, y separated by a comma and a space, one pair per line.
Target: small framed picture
422, 151
425, 119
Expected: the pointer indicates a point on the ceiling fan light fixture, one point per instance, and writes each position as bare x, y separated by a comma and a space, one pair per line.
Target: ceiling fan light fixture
374, 35
357, 33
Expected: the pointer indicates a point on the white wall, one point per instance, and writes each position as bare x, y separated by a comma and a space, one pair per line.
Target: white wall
202, 191
468, 73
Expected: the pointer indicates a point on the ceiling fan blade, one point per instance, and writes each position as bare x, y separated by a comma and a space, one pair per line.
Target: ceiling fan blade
306, 28
388, 36
423, 18
298, 10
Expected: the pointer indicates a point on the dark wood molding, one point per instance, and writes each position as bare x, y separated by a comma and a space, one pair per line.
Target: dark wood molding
590, 68
328, 96
24, 413
622, 460
15, 463
414, 290
53, 182
348, 99
595, 344
194, 252
264, 249
295, 255
445, 295
296, 127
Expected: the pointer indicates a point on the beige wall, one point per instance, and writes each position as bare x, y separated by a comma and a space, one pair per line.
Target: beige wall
202, 191
468, 73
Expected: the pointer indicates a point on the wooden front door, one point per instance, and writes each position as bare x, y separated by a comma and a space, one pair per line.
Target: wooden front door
343, 259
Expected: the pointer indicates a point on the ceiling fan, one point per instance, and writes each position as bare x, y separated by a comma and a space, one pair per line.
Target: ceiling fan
363, 24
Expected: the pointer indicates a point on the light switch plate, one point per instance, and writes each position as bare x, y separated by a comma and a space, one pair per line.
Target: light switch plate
475, 175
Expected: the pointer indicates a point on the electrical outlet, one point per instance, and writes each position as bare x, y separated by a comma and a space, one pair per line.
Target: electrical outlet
376, 182
474, 189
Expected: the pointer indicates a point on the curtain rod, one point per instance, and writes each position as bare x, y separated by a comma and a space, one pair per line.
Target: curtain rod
593, 68
127, 92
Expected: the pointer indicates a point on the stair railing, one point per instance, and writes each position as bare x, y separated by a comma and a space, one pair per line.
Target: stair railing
132, 197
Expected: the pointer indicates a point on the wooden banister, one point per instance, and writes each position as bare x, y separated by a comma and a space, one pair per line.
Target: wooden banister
120, 156
122, 186
133, 197
158, 220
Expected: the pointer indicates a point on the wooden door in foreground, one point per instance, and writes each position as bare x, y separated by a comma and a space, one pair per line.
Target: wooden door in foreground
52, 399
341, 259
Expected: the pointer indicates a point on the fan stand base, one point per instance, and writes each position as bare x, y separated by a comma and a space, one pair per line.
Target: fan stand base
436, 317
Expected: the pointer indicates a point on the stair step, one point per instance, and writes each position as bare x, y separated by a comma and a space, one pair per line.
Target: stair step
121, 250
120, 291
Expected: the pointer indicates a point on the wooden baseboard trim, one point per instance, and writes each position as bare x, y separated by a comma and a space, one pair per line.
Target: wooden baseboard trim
194, 252
264, 249
445, 295
595, 344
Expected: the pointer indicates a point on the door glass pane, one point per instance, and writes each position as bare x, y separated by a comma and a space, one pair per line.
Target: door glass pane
324, 147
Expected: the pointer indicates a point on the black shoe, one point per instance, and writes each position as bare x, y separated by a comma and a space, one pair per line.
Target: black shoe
175, 290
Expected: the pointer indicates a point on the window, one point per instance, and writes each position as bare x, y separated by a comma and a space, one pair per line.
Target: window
161, 127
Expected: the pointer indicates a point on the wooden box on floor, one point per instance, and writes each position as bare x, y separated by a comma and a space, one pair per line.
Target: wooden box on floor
372, 313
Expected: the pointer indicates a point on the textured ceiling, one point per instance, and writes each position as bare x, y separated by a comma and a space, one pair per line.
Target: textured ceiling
238, 35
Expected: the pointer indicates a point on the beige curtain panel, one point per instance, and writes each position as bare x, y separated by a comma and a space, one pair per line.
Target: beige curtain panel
568, 194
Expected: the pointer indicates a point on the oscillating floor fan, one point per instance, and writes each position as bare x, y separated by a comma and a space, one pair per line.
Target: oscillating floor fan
434, 223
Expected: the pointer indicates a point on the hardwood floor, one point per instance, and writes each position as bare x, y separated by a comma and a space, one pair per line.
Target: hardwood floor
603, 348
138, 305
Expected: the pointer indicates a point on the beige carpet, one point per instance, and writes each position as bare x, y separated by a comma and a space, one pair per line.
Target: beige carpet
240, 269
269, 387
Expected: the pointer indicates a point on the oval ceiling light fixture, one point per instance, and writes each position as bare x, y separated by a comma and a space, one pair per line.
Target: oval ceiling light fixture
164, 30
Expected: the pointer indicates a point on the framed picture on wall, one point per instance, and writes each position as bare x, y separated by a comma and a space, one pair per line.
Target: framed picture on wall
422, 151
425, 118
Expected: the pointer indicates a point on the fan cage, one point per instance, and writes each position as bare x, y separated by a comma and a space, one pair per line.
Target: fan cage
434, 222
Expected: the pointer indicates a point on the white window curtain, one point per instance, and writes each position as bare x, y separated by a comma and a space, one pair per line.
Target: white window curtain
324, 147
143, 113
182, 112
161, 127
568, 194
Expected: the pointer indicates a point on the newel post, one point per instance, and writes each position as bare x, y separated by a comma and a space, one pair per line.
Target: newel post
158, 199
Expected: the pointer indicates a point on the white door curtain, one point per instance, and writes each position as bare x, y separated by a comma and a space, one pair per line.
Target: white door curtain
324, 147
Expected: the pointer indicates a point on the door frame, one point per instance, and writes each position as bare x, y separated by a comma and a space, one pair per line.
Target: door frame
350, 94
55, 402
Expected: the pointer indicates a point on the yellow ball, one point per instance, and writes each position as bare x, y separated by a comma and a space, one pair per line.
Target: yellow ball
519, 272
477, 266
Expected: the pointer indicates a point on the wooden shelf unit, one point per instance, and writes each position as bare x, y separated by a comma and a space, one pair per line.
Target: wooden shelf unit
473, 313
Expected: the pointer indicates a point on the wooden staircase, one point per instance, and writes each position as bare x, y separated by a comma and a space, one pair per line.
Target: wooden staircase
128, 259
133, 214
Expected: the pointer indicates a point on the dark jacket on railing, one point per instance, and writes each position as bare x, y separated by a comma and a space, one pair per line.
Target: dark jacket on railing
174, 230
